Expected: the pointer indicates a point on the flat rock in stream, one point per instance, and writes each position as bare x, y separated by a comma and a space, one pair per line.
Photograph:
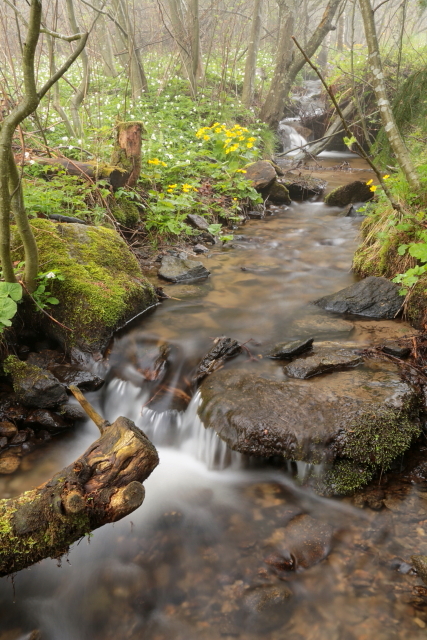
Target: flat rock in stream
361, 419
324, 360
320, 325
223, 349
372, 297
262, 174
180, 269
288, 350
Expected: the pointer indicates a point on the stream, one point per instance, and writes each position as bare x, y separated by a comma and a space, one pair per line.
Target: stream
191, 562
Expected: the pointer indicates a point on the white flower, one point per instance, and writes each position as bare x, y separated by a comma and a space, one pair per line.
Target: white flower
50, 275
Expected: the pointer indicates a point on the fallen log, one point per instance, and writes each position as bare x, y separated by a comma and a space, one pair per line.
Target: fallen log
100, 487
115, 176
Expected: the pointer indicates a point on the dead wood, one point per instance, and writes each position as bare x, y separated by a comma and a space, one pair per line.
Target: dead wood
101, 486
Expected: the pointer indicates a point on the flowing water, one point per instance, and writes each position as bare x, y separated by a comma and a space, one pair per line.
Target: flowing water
190, 563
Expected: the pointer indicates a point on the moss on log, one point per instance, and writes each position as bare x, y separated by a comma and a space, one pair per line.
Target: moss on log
101, 486
117, 176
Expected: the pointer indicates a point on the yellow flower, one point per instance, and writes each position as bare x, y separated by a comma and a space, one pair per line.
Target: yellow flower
172, 186
186, 187
154, 161
249, 145
251, 139
163, 164
373, 188
241, 137
240, 171
206, 137
386, 177
194, 189
218, 130
234, 199
369, 182
227, 151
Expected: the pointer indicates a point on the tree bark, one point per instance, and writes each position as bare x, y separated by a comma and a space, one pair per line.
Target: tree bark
252, 55
83, 88
127, 152
126, 33
288, 66
392, 132
102, 486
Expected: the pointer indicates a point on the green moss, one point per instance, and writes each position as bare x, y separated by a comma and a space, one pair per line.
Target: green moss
103, 285
377, 440
345, 477
19, 370
126, 213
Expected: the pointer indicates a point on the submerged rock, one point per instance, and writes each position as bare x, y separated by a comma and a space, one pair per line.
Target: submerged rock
180, 269
360, 419
288, 350
103, 286
301, 544
372, 297
356, 191
325, 359
34, 387
48, 419
394, 349
265, 607
320, 325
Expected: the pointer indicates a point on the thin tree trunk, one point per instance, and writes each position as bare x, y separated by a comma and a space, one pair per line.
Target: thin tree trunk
137, 75
252, 55
340, 32
291, 65
194, 28
392, 132
56, 93
24, 228
105, 46
83, 88
183, 41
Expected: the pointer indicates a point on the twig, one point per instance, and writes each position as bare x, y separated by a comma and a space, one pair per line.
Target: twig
396, 206
100, 422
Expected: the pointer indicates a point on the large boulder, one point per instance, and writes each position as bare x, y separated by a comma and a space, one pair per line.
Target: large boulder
353, 192
103, 285
372, 297
359, 420
277, 193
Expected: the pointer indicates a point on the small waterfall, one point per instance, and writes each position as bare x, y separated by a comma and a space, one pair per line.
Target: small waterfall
290, 138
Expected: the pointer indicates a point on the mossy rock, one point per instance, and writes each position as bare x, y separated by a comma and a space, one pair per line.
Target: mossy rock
353, 192
277, 193
125, 213
33, 386
416, 309
103, 285
364, 419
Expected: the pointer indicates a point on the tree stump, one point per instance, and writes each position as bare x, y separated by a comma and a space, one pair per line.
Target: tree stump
101, 486
127, 150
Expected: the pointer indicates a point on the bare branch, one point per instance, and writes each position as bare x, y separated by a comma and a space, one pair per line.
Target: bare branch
67, 64
60, 36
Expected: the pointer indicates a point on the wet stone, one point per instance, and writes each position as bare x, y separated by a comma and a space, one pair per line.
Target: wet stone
419, 563
8, 429
19, 438
394, 349
48, 419
266, 607
372, 297
262, 174
177, 269
71, 412
288, 350
9, 463
353, 192
45, 358
319, 325
200, 248
255, 215
322, 361
70, 375
3, 442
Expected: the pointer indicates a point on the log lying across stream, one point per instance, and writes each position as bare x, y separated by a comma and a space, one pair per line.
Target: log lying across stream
101, 486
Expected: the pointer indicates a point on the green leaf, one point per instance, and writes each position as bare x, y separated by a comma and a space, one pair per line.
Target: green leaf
12, 289
52, 300
8, 308
402, 249
419, 251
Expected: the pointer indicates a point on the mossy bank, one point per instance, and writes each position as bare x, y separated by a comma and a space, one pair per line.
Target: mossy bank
103, 285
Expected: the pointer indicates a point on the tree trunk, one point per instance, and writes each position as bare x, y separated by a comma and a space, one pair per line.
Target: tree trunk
340, 32
56, 102
392, 132
194, 29
137, 76
101, 486
127, 152
182, 39
83, 88
272, 109
105, 45
288, 67
252, 55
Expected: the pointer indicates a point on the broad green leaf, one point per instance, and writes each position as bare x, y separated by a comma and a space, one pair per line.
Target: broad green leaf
12, 289
8, 308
